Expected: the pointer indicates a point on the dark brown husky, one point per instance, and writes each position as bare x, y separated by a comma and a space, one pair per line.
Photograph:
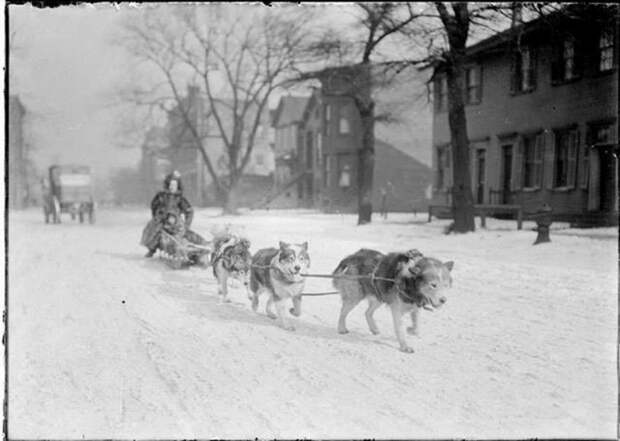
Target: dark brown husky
404, 281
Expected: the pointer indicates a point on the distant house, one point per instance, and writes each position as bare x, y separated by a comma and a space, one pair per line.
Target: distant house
183, 154
154, 162
188, 160
17, 155
328, 155
542, 109
287, 120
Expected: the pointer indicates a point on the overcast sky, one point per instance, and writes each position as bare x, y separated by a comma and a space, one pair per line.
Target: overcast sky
64, 69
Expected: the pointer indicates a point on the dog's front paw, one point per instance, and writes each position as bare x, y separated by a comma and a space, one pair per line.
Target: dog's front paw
343, 331
406, 349
294, 312
374, 331
272, 316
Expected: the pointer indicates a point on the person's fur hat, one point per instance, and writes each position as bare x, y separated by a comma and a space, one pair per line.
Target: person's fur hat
174, 176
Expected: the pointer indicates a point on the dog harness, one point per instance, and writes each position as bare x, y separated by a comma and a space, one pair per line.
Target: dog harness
224, 255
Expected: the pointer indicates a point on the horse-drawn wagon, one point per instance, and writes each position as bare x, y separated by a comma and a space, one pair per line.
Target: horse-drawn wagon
68, 190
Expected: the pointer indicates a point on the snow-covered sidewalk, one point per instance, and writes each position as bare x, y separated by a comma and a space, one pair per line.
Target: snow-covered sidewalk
106, 344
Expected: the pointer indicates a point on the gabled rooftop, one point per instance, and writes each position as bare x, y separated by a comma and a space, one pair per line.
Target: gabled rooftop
290, 110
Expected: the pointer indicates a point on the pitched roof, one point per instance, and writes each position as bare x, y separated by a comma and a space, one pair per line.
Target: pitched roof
290, 110
407, 156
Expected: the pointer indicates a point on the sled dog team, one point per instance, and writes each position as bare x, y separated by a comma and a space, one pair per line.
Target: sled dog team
405, 281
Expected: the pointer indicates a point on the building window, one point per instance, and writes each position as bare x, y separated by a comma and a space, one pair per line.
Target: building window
344, 125
441, 93
601, 134
533, 149
474, 89
598, 134
523, 77
565, 161
566, 63
606, 50
568, 58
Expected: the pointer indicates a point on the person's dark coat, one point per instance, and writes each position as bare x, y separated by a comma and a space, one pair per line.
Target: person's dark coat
164, 203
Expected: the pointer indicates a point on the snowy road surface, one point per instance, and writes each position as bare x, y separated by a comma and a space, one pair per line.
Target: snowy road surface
106, 344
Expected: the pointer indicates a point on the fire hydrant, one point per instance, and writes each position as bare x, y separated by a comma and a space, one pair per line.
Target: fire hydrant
543, 223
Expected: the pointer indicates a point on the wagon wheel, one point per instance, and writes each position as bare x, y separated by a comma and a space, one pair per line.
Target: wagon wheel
56, 210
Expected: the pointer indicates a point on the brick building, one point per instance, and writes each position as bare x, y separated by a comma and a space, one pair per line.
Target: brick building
154, 162
328, 153
541, 106
17, 155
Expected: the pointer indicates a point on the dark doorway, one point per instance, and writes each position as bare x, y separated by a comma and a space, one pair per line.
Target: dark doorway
480, 175
506, 174
609, 176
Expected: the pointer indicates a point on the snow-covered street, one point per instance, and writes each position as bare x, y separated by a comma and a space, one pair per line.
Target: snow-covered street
104, 343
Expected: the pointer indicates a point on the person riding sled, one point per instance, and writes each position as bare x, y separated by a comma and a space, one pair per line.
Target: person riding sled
171, 212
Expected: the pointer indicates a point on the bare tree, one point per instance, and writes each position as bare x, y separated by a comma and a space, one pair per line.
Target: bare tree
238, 56
365, 70
456, 25
445, 34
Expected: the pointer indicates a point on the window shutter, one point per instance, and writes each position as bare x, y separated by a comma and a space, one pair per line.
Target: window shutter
557, 66
517, 177
479, 90
539, 151
532, 71
514, 69
573, 143
579, 55
550, 169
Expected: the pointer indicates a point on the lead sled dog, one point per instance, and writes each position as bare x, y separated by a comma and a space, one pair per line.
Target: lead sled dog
405, 282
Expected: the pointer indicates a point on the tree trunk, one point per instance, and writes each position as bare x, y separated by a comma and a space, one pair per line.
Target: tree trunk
462, 197
366, 161
229, 199
366, 167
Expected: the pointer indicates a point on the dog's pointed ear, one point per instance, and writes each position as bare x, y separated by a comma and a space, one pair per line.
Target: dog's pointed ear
283, 245
449, 265
304, 246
